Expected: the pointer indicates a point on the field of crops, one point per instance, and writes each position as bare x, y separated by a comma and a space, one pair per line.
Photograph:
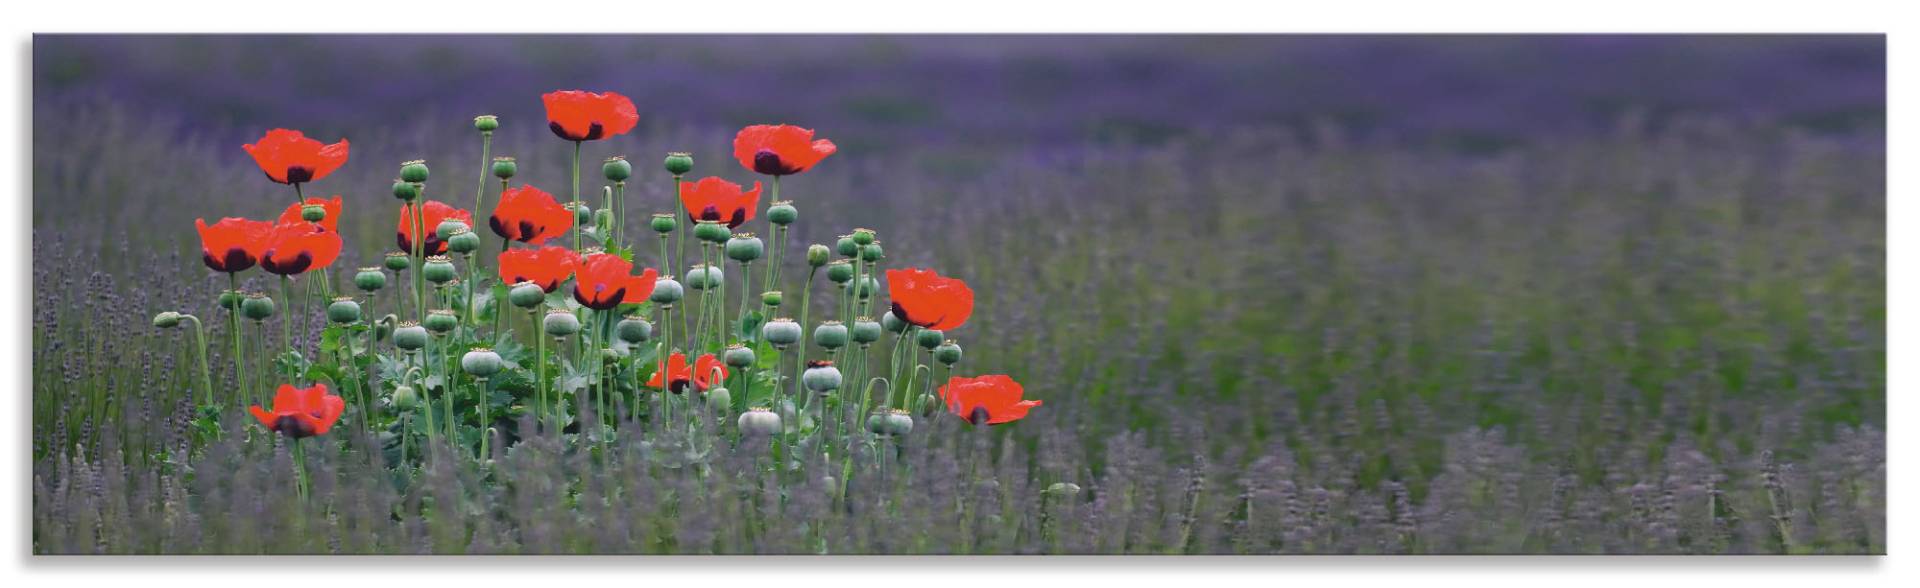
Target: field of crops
1636, 308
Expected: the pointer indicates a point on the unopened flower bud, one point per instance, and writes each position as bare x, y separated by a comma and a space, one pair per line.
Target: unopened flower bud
486, 123
892, 324
818, 255
505, 167
257, 306
865, 331
369, 279
821, 376
561, 323
929, 338
405, 190
398, 261
603, 219
782, 213
1062, 489
738, 356
383, 328
410, 336
481, 363
947, 353
679, 163
166, 320
760, 421
781, 332
890, 423
313, 213
664, 223
633, 329
711, 231
230, 299
745, 247
441, 321
405, 398
830, 335
617, 169
343, 310
414, 171
463, 242
840, 271
771, 298
666, 291
719, 400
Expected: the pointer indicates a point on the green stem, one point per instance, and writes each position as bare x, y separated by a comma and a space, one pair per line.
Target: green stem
576, 195
239, 356
486, 152
286, 321
300, 462
206, 376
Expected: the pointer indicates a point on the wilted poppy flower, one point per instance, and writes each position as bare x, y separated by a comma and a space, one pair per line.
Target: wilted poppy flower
233, 244
332, 222
714, 199
298, 247
301, 412
925, 298
604, 281
529, 215
436, 211
546, 266
991, 399
575, 115
702, 374
289, 157
779, 150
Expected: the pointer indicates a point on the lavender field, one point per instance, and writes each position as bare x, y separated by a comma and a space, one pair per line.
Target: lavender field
1279, 295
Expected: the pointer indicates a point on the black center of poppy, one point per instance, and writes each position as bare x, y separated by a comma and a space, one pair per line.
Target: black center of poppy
287, 267
299, 174
233, 260
979, 416
293, 426
767, 162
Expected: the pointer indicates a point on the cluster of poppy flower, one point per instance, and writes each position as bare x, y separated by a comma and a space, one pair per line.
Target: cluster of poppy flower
305, 239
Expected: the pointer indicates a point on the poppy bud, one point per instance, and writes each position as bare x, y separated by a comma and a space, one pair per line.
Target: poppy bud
738, 356
892, 324
865, 331
679, 163
633, 329
846, 247
560, 322
867, 287
664, 223
370, 279
439, 269
666, 291
603, 219
871, 252
926, 403
404, 398
398, 261
703, 277
840, 271
343, 310
441, 321
405, 190
929, 338
526, 295
947, 353
817, 255
481, 362
711, 231
782, 213
448, 227
463, 242
313, 213
505, 167
230, 299
166, 320
257, 306
821, 376
610, 355
759, 421
781, 332
414, 171
771, 298
582, 214
745, 247
383, 328
863, 237
410, 336
486, 123
617, 169
719, 400
1062, 489
830, 335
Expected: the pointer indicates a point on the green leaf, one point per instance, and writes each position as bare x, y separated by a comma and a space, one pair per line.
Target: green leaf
750, 326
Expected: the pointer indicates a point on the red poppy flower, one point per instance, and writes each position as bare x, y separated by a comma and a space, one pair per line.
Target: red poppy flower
546, 266
233, 244
779, 150
604, 281
289, 157
298, 247
301, 412
925, 298
332, 222
436, 211
715, 199
703, 374
991, 399
575, 115
529, 215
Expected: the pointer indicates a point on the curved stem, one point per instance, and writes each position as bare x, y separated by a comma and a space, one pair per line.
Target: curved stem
206, 377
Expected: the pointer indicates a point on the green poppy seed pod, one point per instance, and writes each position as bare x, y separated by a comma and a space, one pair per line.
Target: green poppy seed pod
760, 421
871, 252
664, 223
818, 255
404, 398
463, 242
738, 356
561, 323
947, 353
863, 237
745, 247
821, 377
405, 190
782, 213
704, 277
398, 261
830, 335
505, 167
840, 271
370, 279
633, 329
481, 362
439, 270
441, 321
929, 338
865, 331
617, 169
230, 299
867, 287
343, 310
448, 227
772, 298
526, 295
899, 423
1062, 489
679, 163
711, 232
414, 171
892, 324
486, 123
410, 336
582, 214
166, 320
846, 247
313, 213
257, 307
781, 332
719, 400
666, 291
